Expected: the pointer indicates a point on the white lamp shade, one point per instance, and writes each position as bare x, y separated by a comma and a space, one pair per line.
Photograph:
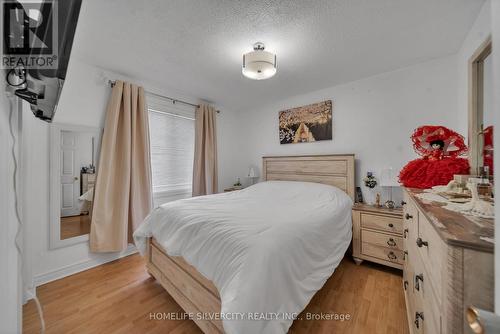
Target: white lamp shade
259, 64
251, 172
389, 178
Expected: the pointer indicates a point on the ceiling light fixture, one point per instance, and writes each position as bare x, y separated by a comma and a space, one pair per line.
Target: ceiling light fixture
259, 64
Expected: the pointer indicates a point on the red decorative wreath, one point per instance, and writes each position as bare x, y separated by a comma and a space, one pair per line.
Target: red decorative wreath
439, 148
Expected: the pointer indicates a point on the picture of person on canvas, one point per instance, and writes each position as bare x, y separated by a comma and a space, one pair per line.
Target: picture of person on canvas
303, 134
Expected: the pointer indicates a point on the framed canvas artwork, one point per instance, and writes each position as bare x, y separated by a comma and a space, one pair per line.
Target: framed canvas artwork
306, 124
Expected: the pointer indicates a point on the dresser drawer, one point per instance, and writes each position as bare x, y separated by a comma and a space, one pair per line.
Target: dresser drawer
410, 231
424, 292
409, 294
382, 239
432, 315
432, 251
383, 253
410, 219
381, 223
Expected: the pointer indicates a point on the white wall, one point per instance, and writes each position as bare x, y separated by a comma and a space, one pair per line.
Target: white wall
83, 102
478, 33
10, 278
495, 19
232, 164
372, 118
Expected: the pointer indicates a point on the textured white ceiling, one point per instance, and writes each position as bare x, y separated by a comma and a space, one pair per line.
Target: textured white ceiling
196, 46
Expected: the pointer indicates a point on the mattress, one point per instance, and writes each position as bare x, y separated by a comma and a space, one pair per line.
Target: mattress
267, 248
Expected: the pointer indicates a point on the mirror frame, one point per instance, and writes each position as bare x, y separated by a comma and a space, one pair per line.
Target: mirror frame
55, 180
475, 103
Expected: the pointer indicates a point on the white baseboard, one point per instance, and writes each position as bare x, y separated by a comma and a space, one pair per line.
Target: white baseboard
29, 294
81, 266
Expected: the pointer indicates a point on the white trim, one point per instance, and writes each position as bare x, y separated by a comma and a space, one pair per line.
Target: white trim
81, 266
495, 20
29, 293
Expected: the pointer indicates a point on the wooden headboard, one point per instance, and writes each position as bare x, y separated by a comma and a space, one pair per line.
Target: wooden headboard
334, 169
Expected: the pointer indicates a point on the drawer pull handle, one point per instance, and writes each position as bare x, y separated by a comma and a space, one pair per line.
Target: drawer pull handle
405, 254
392, 256
408, 216
403, 203
421, 243
405, 284
391, 225
418, 316
391, 242
405, 233
418, 278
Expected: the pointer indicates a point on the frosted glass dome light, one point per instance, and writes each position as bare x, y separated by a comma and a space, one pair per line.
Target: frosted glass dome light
259, 64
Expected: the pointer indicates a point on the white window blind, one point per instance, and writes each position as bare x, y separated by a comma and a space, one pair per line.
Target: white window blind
172, 148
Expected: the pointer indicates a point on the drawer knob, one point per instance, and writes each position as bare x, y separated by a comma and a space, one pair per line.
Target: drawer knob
403, 203
405, 284
392, 256
391, 242
391, 225
418, 278
421, 243
408, 216
418, 316
405, 233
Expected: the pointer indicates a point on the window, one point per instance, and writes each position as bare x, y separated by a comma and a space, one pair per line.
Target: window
172, 149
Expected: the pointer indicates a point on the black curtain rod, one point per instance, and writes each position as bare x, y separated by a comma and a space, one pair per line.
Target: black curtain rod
174, 101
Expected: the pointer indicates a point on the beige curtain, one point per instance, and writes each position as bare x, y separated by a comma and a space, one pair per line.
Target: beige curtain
123, 186
205, 152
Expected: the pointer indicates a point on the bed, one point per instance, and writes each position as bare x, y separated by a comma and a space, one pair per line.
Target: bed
267, 249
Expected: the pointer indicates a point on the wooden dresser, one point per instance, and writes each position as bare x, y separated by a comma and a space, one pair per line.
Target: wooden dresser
377, 235
448, 266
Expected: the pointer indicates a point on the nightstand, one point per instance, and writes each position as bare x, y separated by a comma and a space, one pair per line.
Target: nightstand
232, 189
377, 235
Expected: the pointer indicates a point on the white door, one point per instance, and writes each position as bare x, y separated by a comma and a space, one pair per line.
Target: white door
70, 174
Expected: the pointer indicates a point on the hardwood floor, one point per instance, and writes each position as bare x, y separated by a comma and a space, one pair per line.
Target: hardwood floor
119, 297
74, 226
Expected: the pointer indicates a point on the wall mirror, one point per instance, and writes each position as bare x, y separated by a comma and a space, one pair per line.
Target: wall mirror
481, 110
73, 165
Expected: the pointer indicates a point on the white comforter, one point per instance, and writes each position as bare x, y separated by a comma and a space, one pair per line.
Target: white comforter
267, 248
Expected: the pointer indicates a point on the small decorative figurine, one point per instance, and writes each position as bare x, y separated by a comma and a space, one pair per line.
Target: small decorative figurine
377, 200
370, 180
440, 149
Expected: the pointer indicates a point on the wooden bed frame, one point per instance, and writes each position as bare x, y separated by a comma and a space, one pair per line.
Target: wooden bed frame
195, 293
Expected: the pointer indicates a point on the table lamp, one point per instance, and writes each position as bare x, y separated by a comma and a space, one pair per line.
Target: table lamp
388, 179
252, 174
